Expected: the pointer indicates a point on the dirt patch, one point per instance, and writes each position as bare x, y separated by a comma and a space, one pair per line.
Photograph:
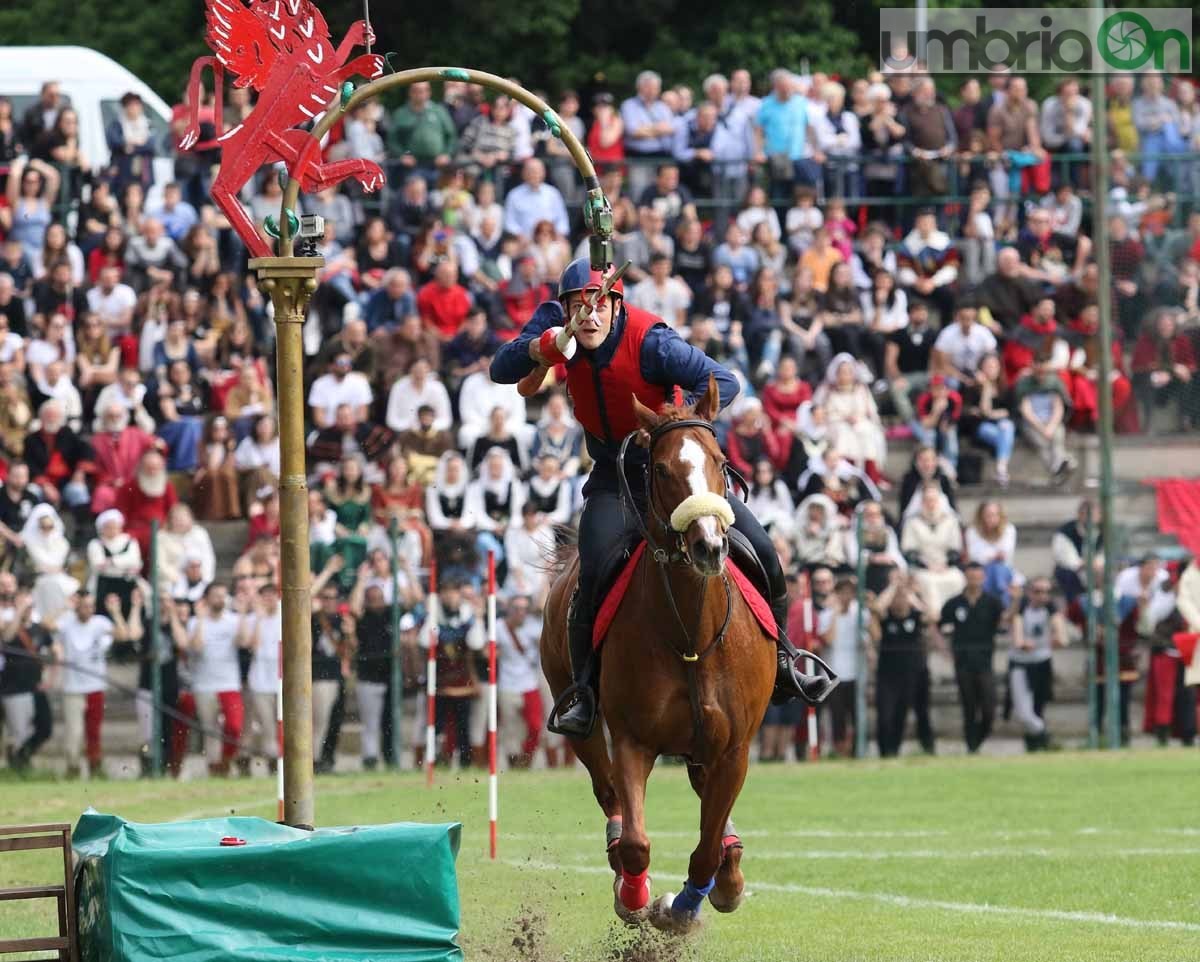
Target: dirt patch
525, 940
646, 944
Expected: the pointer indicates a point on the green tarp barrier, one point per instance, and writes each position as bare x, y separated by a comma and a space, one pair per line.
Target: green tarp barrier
385, 893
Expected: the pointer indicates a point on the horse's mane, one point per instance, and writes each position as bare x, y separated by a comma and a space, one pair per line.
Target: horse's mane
557, 555
676, 412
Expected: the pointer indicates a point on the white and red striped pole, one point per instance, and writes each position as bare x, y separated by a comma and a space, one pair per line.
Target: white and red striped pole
810, 711
279, 733
493, 781
431, 677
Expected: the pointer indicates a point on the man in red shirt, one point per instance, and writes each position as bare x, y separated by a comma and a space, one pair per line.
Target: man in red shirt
522, 295
148, 497
443, 302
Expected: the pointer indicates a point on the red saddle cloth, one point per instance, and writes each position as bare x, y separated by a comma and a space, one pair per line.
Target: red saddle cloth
612, 601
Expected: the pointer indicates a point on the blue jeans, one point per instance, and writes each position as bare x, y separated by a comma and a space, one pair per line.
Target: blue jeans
1000, 436
943, 440
997, 581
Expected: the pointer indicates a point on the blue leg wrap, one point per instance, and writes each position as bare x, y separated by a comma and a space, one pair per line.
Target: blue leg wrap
688, 901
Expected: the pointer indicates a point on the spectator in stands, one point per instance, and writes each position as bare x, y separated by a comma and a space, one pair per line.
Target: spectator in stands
880, 543
1012, 127
928, 263
661, 294
533, 201
970, 621
559, 434
215, 483
32, 185
769, 499
114, 561
443, 302
1070, 548
373, 647
57, 457
526, 547
936, 422
265, 640
991, 541
789, 141
1156, 117
933, 546
1045, 408
549, 490
853, 418
117, 448
1066, 124
752, 439
392, 301
212, 639
47, 551
487, 142
838, 627
85, 638
422, 133
148, 497
342, 385
930, 138
519, 690
988, 414
819, 533
841, 315
458, 636
1038, 627
24, 678
901, 622
1008, 294
926, 468
130, 141
649, 127
1164, 368
18, 497
333, 641
961, 346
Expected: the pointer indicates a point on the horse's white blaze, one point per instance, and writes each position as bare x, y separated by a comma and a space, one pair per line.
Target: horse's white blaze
692, 453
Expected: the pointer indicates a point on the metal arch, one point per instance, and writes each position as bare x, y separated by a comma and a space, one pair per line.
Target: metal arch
595, 206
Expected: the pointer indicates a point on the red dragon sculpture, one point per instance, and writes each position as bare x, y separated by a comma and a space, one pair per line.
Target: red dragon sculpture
282, 49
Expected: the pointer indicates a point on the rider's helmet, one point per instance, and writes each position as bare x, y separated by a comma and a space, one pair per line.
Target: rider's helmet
579, 276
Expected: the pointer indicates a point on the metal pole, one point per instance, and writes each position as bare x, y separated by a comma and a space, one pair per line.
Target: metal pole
860, 686
1089, 584
1100, 185
155, 656
290, 281
493, 783
397, 651
813, 736
431, 612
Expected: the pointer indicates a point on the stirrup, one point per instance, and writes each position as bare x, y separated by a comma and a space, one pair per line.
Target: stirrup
814, 689
573, 693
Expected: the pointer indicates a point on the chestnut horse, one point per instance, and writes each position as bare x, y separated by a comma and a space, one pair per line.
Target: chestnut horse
686, 670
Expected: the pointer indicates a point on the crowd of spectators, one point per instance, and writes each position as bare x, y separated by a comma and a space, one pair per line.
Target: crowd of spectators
802, 237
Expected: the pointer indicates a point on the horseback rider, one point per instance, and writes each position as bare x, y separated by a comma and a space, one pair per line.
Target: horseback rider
623, 351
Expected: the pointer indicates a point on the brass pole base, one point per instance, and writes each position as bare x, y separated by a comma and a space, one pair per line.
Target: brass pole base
290, 282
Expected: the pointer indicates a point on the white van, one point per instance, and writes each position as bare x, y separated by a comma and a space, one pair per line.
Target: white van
94, 84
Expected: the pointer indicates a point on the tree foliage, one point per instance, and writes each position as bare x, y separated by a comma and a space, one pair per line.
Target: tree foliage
546, 44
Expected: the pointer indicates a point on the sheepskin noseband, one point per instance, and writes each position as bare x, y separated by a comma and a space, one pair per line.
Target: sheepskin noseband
703, 505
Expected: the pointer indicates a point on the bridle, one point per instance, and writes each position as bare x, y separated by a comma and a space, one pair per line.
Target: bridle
678, 552
674, 553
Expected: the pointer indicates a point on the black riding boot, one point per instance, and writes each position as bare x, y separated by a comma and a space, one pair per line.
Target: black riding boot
575, 713
790, 681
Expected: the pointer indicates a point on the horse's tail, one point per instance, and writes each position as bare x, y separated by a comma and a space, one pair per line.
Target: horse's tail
559, 554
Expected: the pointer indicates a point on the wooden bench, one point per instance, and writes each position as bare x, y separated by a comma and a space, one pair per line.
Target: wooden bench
25, 838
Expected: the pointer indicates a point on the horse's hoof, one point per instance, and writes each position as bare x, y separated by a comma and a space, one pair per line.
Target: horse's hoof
664, 918
633, 917
720, 905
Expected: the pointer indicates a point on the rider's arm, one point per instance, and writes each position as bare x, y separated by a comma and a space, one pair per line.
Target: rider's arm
669, 359
512, 362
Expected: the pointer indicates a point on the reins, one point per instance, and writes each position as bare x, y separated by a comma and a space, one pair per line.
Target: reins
664, 559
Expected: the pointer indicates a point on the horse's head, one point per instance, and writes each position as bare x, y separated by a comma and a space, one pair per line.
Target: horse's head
686, 486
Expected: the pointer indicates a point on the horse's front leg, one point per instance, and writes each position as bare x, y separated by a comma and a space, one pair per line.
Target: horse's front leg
722, 781
632, 765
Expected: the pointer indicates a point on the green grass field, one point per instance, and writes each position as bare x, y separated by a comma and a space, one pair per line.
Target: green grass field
1048, 859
